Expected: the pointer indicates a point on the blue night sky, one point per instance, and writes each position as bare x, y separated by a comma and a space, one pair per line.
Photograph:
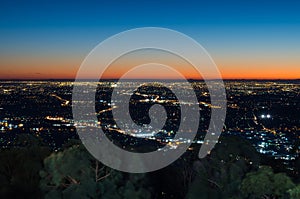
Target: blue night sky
233, 32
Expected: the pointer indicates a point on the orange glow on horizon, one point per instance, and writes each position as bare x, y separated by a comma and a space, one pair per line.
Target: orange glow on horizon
226, 73
66, 68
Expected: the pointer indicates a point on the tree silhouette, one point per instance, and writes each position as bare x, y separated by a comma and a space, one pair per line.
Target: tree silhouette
220, 174
265, 184
74, 173
19, 168
295, 192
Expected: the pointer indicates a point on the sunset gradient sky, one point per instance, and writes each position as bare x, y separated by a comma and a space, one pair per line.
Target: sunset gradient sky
246, 39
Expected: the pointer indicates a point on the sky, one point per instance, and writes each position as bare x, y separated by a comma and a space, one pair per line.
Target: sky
246, 39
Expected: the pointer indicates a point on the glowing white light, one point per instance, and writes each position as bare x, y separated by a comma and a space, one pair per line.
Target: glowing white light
265, 116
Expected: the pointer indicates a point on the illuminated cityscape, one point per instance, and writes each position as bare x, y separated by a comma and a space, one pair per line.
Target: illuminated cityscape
261, 128
266, 113
80, 116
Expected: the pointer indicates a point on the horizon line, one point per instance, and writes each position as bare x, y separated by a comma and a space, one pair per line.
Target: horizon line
114, 79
